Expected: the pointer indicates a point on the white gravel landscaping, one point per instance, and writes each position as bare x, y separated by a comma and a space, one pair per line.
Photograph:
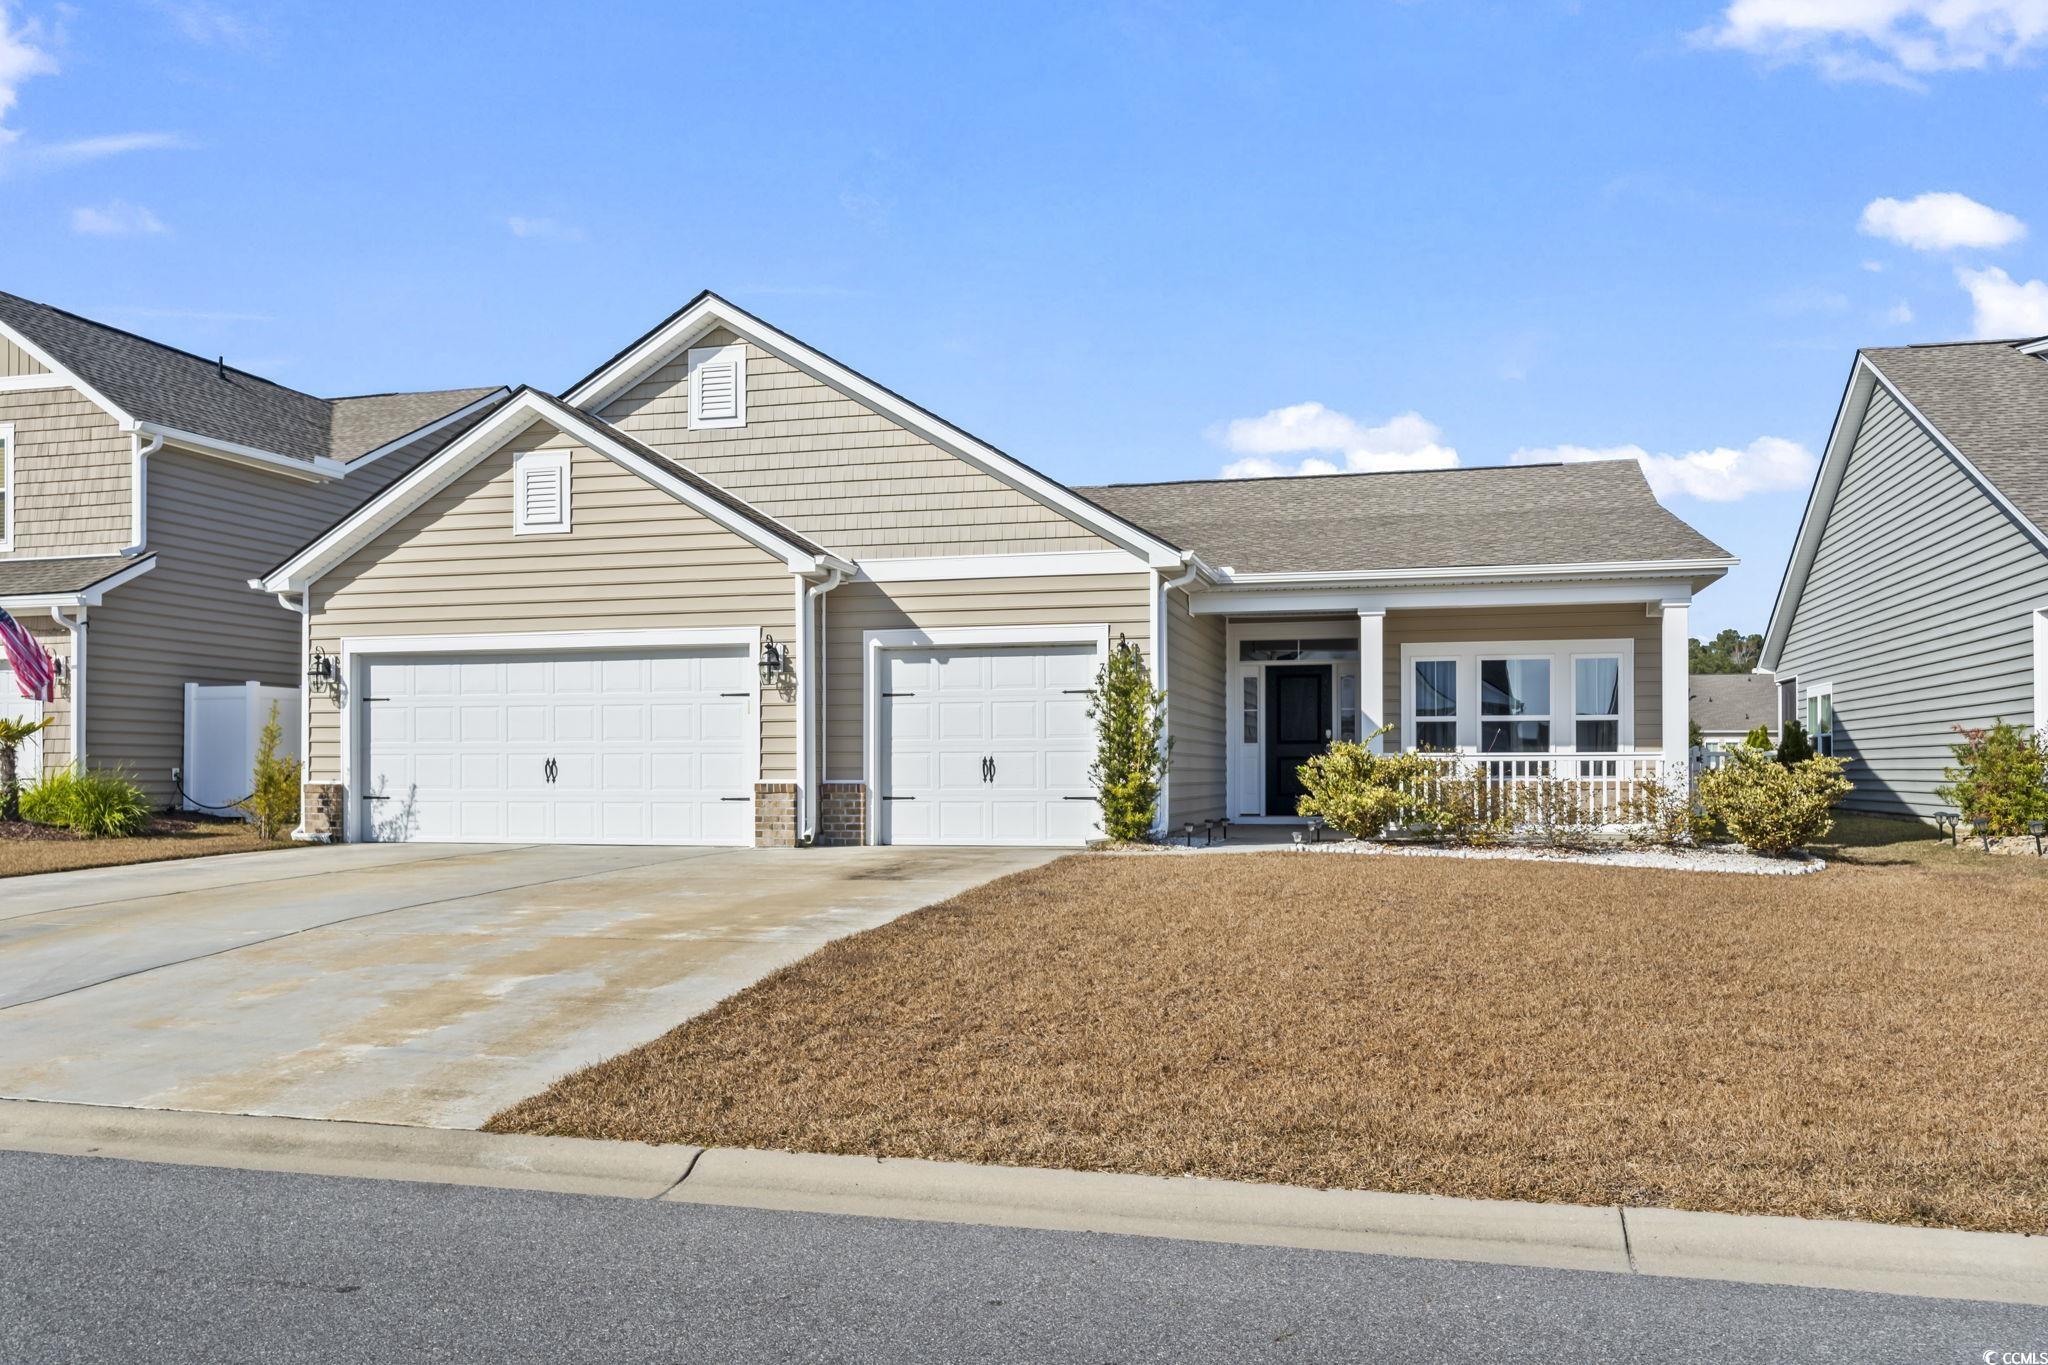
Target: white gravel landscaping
1713, 858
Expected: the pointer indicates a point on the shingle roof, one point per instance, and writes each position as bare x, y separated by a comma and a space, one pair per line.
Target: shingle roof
24, 577
1594, 513
1991, 401
1734, 702
156, 383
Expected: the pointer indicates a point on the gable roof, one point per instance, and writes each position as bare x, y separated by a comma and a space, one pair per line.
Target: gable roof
148, 384
489, 432
1496, 516
1722, 703
79, 578
707, 310
1985, 403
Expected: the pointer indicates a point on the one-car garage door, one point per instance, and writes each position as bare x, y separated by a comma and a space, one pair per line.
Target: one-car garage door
987, 745
617, 748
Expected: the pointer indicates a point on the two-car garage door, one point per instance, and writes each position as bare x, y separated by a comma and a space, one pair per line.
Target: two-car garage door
630, 747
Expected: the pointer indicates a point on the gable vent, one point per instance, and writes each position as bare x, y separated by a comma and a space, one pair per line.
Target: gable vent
718, 387
541, 492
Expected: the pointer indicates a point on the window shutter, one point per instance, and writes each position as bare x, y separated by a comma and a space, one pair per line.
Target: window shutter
541, 492
718, 387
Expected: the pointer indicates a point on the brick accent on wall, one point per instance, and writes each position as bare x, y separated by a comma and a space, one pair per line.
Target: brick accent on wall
322, 814
775, 815
842, 813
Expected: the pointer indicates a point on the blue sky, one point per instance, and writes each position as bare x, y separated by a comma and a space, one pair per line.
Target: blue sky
1135, 241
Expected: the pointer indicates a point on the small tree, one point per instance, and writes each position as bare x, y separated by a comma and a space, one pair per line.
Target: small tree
2000, 775
13, 733
273, 801
1795, 748
1130, 755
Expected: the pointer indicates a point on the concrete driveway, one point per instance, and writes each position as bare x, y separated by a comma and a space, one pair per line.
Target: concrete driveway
409, 983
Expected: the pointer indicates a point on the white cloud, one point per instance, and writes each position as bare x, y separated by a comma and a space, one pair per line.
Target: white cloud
1769, 464
1894, 41
211, 25
1940, 221
1409, 441
118, 219
544, 229
1899, 314
20, 58
110, 144
2004, 306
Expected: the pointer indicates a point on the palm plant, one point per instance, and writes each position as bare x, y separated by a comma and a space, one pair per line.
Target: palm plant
12, 733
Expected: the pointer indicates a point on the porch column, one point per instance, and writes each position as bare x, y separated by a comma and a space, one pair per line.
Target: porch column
1675, 679
1372, 675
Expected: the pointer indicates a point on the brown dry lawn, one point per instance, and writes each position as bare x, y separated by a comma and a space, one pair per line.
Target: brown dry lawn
26, 848
1870, 1042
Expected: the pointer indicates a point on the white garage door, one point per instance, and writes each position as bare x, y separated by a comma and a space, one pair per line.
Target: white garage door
987, 746
604, 748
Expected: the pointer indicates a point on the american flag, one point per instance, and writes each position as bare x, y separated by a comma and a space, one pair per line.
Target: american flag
35, 672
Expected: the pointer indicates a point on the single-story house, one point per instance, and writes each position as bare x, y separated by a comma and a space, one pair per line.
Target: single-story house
1916, 598
140, 488
1728, 706
727, 589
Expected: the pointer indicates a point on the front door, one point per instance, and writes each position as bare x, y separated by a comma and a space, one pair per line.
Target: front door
1297, 729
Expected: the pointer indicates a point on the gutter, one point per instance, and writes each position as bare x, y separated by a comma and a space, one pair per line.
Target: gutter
1163, 587
138, 490
304, 608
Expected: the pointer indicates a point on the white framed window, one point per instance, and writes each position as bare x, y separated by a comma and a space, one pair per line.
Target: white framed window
718, 387
1820, 718
540, 493
1514, 704
1596, 703
6, 485
1434, 696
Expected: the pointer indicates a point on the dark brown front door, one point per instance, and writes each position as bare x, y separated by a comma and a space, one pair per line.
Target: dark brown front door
1297, 728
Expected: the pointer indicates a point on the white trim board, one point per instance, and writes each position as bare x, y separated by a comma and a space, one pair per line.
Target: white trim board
89, 596
1864, 380
7, 464
1260, 602
50, 363
707, 311
357, 649
446, 465
934, 568
874, 642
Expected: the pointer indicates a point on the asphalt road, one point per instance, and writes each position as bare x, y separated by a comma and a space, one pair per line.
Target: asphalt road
105, 1260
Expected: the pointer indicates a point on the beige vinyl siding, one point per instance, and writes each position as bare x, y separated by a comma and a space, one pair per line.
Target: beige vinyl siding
1918, 611
15, 362
839, 472
1121, 601
636, 559
1195, 713
69, 472
213, 526
1619, 621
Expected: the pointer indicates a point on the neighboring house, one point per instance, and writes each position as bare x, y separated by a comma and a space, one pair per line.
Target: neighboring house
726, 589
1727, 706
1913, 601
141, 487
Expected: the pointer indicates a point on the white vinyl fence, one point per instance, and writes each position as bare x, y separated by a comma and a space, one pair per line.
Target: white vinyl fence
1588, 789
221, 729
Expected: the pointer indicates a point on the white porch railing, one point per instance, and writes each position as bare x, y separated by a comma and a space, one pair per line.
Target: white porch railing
1583, 789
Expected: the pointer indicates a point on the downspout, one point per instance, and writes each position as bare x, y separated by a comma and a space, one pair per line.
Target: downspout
77, 629
138, 490
810, 672
304, 607
1161, 603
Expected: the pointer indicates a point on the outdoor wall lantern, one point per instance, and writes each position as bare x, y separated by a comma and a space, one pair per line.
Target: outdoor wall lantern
773, 660
319, 671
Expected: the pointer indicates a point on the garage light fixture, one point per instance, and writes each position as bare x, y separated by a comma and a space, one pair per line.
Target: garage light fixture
774, 659
319, 671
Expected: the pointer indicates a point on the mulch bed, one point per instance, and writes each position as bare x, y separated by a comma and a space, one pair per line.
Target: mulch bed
1870, 1042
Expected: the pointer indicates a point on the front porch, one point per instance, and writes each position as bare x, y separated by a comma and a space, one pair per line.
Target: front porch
1568, 683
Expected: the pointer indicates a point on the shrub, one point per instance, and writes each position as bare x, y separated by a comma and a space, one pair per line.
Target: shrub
1554, 812
96, 804
273, 800
1130, 761
1464, 809
1769, 807
1660, 815
1794, 747
2000, 775
1759, 738
1358, 792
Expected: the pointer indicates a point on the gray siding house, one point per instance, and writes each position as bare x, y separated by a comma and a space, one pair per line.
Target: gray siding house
1914, 599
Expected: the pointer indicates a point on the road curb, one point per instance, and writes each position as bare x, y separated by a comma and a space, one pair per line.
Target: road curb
378, 1151
1873, 1257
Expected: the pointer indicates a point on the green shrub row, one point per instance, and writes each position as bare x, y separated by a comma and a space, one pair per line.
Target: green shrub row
96, 804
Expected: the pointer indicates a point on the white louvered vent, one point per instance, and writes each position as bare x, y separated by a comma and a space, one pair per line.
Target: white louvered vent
541, 493
718, 387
